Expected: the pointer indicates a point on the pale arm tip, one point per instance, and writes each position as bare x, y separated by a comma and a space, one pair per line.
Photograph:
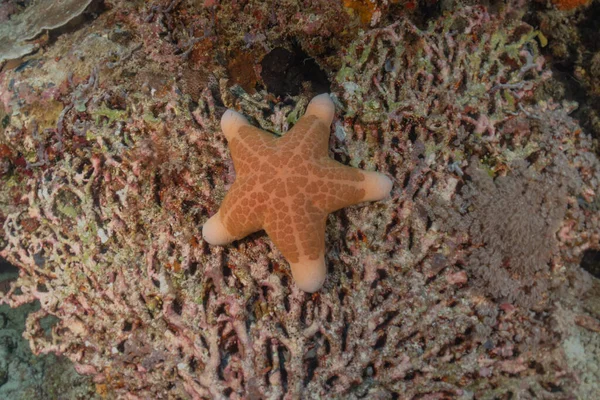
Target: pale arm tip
377, 186
322, 107
231, 122
214, 231
309, 275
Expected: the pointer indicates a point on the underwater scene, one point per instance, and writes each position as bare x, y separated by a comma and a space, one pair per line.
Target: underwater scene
299, 199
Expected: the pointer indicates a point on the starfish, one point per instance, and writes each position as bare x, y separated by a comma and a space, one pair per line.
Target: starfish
287, 186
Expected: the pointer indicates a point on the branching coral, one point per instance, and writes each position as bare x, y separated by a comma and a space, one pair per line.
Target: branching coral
470, 68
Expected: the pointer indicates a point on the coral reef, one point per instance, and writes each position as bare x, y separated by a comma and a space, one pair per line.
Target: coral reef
110, 171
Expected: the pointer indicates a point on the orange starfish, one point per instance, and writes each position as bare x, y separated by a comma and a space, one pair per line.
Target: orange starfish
287, 186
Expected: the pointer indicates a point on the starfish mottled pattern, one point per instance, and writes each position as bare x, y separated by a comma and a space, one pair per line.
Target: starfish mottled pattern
287, 186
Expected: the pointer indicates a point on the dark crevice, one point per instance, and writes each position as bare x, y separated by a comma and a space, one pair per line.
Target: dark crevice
311, 365
282, 369
591, 262
6, 267
284, 72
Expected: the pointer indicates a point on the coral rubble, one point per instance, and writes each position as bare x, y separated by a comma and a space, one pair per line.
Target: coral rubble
112, 159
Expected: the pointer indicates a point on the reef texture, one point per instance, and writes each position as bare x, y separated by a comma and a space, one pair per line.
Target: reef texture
109, 171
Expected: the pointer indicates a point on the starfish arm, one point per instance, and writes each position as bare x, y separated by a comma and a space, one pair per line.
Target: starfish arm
310, 135
215, 232
241, 214
248, 145
339, 186
301, 240
377, 186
